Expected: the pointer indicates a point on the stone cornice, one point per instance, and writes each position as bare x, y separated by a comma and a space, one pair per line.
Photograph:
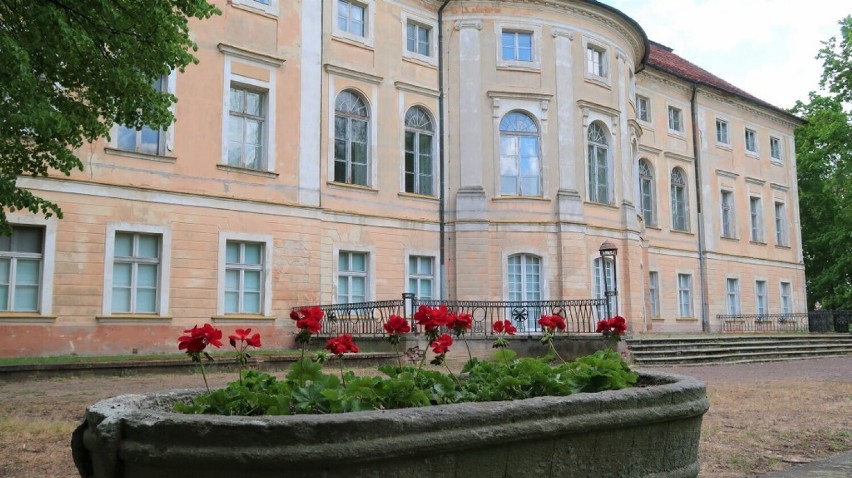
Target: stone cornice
416, 89
256, 56
352, 74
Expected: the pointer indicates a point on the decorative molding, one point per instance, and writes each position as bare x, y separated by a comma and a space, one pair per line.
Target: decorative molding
635, 128
755, 181
250, 55
587, 106
560, 32
352, 74
678, 157
520, 95
416, 89
727, 174
650, 149
461, 24
779, 187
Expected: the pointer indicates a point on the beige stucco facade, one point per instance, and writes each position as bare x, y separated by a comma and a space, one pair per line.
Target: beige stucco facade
515, 204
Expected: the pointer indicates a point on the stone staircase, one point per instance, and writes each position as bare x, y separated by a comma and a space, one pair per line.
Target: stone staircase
651, 350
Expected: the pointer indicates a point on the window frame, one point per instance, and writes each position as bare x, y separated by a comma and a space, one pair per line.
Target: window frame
761, 297
786, 297
756, 219
677, 200
165, 137
266, 272
675, 120
163, 280
423, 22
368, 147
14, 257
751, 133
369, 7
723, 133
534, 31
417, 155
728, 214
410, 275
270, 8
601, 266
781, 228
48, 263
647, 182
685, 293
262, 118
776, 152
646, 109
733, 304
518, 137
367, 274
654, 293
594, 181
525, 292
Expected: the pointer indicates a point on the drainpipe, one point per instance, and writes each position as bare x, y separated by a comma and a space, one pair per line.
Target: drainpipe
702, 252
441, 195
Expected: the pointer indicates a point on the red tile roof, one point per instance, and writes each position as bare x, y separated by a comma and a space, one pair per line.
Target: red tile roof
662, 58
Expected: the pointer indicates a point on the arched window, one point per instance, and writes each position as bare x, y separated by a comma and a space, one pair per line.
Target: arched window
520, 163
646, 192
598, 165
351, 133
524, 281
680, 219
418, 151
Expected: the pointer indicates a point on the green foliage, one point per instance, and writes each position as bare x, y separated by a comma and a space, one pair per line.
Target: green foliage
71, 69
824, 157
306, 389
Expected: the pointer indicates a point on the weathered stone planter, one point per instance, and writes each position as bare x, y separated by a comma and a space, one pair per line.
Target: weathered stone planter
648, 431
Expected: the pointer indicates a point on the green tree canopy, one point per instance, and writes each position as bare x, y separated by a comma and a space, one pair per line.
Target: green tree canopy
824, 155
73, 68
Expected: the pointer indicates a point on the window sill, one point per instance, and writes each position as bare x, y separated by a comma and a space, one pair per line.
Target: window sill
259, 10
600, 204
725, 146
687, 233
137, 155
423, 197
758, 243
753, 154
25, 318
730, 238
420, 60
677, 134
241, 318
354, 187
777, 162
601, 81
356, 41
527, 66
507, 198
646, 124
783, 246
658, 319
130, 318
687, 319
653, 226
249, 171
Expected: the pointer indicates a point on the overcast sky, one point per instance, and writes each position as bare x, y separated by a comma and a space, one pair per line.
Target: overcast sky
765, 47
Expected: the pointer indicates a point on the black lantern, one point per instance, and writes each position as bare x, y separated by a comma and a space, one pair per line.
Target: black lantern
608, 252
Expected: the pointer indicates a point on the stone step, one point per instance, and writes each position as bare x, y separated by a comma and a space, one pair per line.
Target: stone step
637, 353
762, 343
739, 338
737, 357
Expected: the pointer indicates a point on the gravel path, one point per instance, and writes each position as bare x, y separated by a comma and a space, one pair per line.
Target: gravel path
837, 369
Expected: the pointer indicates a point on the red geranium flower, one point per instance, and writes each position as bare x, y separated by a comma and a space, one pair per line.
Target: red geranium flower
242, 335
341, 345
603, 327
442, 344
459, 323
198, 338
431, 317
396, 325
504, 326
552, 322
309, 324
618, 325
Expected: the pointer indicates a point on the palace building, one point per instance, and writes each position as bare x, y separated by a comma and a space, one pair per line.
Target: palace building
332, 151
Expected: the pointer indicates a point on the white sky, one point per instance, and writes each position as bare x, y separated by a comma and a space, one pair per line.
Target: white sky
765, 47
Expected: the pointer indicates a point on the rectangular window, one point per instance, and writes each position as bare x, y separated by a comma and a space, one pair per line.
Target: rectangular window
421, 276
786, 298
418, 38
756, 219
143, 140
136, 273
517, 46
351, 17
643, 109
722, 132
351, 277
733, 295
654, 293
524, 284
21, 257
246, 128
675, 119
596, 61
780, 224
760, 299
684, 295
750, 140
728, 222
775, 149
243, 277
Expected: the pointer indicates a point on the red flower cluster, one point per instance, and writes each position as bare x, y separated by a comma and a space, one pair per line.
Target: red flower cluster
431, 317
242, 335
459, 323
396, 325
198, 338
552, 322
442, 344
504, 326
308, 319
613, 327
341, 345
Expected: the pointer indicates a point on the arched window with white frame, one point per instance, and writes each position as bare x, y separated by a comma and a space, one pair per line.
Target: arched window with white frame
419, 163
646, 192
520, 158
351, 144
680, 209
599, 190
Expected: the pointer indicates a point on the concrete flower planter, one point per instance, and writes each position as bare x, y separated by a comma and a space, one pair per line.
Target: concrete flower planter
647, 431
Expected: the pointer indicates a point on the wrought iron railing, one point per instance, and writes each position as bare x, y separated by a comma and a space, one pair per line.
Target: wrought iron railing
829, 320
368, 318
764, 322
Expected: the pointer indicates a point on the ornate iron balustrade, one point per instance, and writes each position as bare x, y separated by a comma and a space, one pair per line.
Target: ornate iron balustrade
368, 318
764, 322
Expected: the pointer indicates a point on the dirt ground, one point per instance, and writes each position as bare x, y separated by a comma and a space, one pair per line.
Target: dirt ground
762, 417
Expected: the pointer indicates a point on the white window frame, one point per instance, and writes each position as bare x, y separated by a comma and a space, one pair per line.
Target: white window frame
755, 143
48, 261
535, 33
599, 268
652, 193
684, 296
775, 146
641, 99
409, 274
686, 212
418, 133
723, 133
756, 218
674, 115
761, 297
246, 118
369, 283
369, 7
422, 22
728, 214
163, 285
786, 297
654, 293
732, 296
270, 123
781, 235
519, 192
266, 270
610, 189
525, 255
254, 5
166, 139
602, 47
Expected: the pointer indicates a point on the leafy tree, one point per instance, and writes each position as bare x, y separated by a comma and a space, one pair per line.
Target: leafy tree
824, 155
73, 68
